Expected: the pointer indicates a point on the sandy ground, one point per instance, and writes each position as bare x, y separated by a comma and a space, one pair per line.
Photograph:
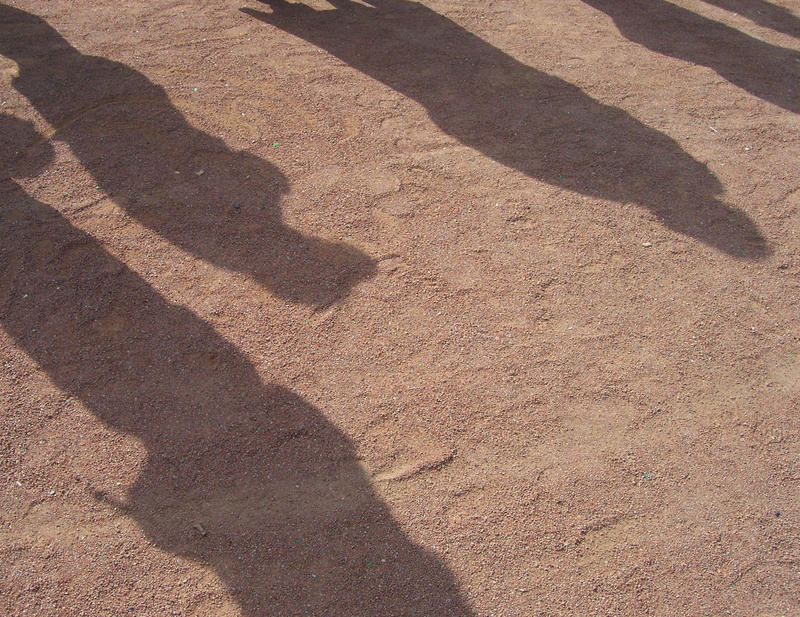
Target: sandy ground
390, 309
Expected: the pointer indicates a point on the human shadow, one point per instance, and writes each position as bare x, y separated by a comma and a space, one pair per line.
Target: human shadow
522, 117
188, 186
763, 13
767, 71
241, 475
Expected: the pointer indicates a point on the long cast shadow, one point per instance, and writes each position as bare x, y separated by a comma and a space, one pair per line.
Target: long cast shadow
188, 186
763, 13
241, 475
767, 71
522, 117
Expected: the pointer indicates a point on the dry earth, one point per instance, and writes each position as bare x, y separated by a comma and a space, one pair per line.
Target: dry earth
388, 309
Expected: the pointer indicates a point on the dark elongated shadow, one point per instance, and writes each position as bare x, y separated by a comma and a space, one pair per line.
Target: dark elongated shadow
767, 71
522, 117
241, 475
763, 13
188, 186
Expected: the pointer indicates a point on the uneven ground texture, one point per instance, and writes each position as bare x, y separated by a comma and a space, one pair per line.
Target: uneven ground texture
459, 308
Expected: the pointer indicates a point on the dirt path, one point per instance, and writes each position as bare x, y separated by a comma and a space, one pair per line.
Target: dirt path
448, 309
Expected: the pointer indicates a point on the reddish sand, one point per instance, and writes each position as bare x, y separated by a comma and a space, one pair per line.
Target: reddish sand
392, 309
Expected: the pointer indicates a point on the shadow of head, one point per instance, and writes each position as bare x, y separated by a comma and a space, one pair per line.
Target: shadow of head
226, 206
716, 224
22, 48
